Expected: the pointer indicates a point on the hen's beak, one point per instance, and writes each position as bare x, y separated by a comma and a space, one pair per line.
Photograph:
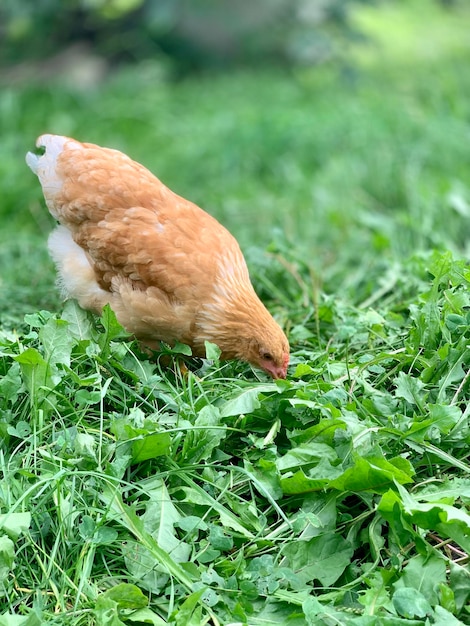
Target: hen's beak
279, 372
276, 371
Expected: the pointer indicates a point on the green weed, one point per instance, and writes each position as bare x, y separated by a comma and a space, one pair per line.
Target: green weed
222, 496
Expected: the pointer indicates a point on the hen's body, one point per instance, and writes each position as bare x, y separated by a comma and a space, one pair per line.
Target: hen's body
168, 269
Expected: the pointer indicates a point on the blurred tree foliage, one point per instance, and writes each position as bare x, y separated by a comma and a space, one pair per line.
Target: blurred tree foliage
191, 34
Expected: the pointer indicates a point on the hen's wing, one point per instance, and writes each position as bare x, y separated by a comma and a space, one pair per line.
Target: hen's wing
128, 240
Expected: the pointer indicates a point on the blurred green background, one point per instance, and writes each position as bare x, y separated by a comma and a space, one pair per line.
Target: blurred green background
336, 131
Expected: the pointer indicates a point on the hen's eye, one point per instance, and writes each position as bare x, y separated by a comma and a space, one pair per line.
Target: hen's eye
267, 356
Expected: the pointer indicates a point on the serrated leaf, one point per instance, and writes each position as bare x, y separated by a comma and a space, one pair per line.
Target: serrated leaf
160, 518
448, 520
85, 397
113, 329
213, 351
424, 574
195, 494
246, 401
36, 320
409, 388
107, 612
189, 613
374, 474
305, 454
127, 517
181, 348
219, 539
377, 596
410, 603
299, 483
11, 384
57, 341
79, 324
317, 614
323, 558
85, 445
36, 374
266, 476
205, 435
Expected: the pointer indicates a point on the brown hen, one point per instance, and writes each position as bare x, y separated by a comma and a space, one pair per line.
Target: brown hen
168, 269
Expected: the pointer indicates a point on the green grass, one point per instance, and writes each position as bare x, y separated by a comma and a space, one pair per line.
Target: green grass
419, 31
131, 493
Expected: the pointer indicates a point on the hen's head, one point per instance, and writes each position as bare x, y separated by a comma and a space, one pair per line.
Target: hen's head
267, 349
244, 329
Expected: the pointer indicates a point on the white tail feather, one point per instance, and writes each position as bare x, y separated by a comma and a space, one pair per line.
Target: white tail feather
32, 161
53, 145
44, 165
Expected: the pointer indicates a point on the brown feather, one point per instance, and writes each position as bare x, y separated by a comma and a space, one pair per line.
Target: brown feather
169, 270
